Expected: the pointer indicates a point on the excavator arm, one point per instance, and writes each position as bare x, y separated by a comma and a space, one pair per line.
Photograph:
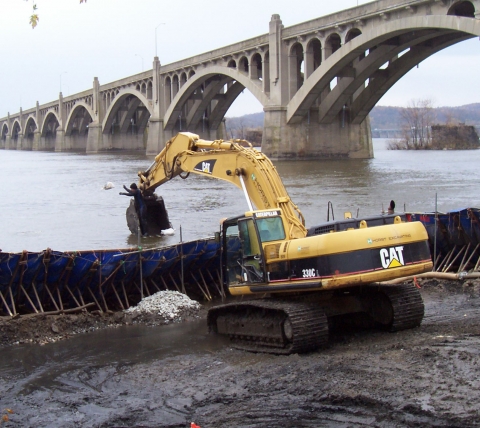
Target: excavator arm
235, 161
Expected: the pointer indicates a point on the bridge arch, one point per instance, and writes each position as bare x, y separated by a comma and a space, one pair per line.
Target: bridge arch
243, 65
295, 68
31, 127
462, 8
168, 90
16, 127
393, 49
3, 136
48, 130
183, 79
79, 118
313, 56
223, 84
256, 69
126, 102
332, 44
50, 124
352, 33
175, 85
16, 131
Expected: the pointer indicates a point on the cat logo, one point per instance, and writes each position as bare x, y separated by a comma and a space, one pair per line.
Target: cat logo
392, 257
205, 166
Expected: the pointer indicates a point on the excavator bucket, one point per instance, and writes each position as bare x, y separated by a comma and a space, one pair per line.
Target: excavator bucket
157, 216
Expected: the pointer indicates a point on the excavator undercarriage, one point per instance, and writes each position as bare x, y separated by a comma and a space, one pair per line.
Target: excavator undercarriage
301, 324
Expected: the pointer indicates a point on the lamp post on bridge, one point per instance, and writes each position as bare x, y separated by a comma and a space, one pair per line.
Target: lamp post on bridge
162, 23
141, 57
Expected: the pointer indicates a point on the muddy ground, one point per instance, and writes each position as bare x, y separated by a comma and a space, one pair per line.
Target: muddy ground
42, 329
428, 376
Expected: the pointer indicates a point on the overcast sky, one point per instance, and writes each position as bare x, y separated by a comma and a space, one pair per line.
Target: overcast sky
112, 39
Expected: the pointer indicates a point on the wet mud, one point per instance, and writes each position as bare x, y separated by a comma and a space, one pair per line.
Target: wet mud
168, 376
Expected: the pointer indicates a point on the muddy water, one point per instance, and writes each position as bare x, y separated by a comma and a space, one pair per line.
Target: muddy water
56, 200
167, 376
89, 364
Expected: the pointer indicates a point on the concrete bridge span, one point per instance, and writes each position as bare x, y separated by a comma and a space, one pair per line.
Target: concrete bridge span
317, 81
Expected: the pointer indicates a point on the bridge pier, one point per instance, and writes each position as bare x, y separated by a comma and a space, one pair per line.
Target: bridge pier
156, 136
60, 140
94, 138
27, 142
311, 140
19, 142
36, 140
98, 141
75, 142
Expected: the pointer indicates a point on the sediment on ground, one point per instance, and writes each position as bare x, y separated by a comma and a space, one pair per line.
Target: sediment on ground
164, 307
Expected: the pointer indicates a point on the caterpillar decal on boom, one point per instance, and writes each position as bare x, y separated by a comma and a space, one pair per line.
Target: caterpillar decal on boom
308, 276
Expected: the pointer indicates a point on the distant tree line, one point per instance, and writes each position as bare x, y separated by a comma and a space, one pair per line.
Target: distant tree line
386, 117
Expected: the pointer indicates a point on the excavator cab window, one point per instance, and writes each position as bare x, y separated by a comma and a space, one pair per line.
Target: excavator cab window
271, 229
251, 261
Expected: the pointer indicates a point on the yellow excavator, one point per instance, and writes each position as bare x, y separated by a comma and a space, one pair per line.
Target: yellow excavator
297, 281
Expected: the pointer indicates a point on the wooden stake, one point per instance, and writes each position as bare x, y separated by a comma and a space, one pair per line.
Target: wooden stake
51, 296
125, 295
6, 306
28, 298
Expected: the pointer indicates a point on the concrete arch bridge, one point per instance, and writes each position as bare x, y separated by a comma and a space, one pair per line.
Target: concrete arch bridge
317, 81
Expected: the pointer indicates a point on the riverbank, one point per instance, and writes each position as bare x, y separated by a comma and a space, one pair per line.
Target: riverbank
427, 376
162, 308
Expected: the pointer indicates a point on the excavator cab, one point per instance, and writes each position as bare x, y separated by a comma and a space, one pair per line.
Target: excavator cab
243, 239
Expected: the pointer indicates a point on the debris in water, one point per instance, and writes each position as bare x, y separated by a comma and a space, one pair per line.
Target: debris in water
108, 185
168, 232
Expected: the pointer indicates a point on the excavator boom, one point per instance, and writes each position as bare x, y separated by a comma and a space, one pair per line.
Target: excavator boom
235, 161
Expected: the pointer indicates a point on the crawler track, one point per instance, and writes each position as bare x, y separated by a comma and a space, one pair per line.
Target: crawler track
272, 326
408, 307
405, 303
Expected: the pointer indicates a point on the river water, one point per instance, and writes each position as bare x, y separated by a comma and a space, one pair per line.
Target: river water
57, 201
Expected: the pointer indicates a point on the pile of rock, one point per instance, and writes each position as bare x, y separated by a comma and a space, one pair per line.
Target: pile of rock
163, 307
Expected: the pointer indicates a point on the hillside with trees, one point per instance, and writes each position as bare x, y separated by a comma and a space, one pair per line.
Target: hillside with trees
248, 127
383, 117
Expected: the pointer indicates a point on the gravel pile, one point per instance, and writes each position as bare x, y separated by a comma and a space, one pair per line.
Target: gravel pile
163, 307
